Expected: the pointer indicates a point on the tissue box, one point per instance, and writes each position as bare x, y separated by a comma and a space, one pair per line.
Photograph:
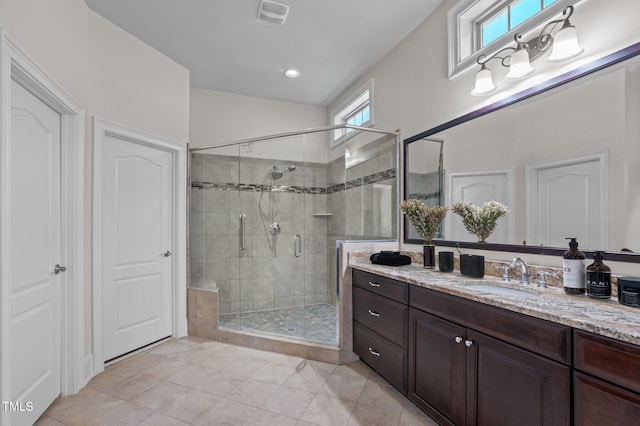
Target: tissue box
472, 265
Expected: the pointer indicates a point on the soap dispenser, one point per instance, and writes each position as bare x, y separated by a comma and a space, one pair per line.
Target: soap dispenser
598, 278
573, 273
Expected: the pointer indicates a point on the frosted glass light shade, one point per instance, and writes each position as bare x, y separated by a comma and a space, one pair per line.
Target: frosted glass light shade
565, 45
520, 66
484, 82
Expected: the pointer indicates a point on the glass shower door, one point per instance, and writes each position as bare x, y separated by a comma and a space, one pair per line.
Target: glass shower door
271, 267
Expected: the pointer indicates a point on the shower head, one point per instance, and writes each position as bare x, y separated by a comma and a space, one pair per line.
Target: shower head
277, 174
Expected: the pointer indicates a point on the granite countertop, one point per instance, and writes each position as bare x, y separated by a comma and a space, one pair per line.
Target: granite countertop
605, 317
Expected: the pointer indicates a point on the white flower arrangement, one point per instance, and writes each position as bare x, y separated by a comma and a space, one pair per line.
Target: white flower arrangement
480, 221
425, 219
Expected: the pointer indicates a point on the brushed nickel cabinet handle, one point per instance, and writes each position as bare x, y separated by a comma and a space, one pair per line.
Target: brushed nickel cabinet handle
374, 352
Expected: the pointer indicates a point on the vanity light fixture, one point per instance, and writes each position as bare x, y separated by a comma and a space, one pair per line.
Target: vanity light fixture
563, 46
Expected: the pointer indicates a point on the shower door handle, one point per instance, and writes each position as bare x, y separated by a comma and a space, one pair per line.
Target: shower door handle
243, 245
297, 245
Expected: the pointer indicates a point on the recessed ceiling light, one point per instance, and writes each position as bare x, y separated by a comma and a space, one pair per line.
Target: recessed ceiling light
292, 73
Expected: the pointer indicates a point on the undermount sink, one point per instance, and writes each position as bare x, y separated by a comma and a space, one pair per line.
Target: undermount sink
495, 287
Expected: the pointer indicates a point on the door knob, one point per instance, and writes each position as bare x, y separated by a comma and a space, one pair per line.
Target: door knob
57, 269
166, 253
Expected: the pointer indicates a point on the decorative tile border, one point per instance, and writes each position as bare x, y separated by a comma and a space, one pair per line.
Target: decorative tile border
419, 196
251, 187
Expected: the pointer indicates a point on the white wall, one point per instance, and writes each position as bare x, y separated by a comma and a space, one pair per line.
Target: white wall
219, 117
135, 85
413, 92
110, 73
54, 33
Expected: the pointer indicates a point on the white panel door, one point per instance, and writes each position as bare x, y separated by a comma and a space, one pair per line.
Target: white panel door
478, 188
137, 234
34, 249
568, 199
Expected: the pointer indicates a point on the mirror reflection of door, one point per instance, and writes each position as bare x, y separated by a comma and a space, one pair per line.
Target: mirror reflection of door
559, 193
478, 188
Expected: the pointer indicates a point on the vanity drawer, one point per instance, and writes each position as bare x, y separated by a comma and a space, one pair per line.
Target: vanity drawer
386, 317
612, 360
388, 359
534, 334
383, 286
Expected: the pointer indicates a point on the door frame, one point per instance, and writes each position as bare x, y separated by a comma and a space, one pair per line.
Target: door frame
101, 130
16, 64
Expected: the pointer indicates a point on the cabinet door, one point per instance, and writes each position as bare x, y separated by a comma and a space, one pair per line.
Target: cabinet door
437, 367
598, 403
510, 386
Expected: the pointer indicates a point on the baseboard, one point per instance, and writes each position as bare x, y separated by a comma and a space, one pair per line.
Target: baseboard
88, 369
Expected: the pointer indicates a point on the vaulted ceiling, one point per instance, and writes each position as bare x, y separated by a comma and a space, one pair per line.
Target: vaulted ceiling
227, 48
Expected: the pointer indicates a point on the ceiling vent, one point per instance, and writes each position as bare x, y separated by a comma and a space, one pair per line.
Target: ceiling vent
272, 11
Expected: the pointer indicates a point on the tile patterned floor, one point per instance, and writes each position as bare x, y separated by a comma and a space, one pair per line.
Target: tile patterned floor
313, 323
194, 381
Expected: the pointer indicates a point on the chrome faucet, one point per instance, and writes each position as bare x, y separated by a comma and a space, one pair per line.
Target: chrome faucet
505, 272
523, 265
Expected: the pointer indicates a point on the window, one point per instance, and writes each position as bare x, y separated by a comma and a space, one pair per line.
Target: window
479, 27
356, 111
509, 17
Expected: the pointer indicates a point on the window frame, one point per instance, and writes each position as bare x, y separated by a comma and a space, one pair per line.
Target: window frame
349, 108
464, 30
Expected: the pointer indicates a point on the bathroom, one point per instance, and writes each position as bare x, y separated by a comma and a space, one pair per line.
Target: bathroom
115, 76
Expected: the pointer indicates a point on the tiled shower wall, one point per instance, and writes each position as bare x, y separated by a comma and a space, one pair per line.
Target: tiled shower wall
268, 275
364, 202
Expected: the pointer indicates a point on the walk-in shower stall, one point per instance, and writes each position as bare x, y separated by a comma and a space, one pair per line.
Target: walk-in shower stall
266, 216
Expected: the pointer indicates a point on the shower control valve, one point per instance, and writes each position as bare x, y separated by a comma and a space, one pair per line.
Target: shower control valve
274, 228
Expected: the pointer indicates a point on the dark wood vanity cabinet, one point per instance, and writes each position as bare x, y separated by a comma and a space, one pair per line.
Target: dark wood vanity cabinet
380, 320
469, 363
464, 377
606, 381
